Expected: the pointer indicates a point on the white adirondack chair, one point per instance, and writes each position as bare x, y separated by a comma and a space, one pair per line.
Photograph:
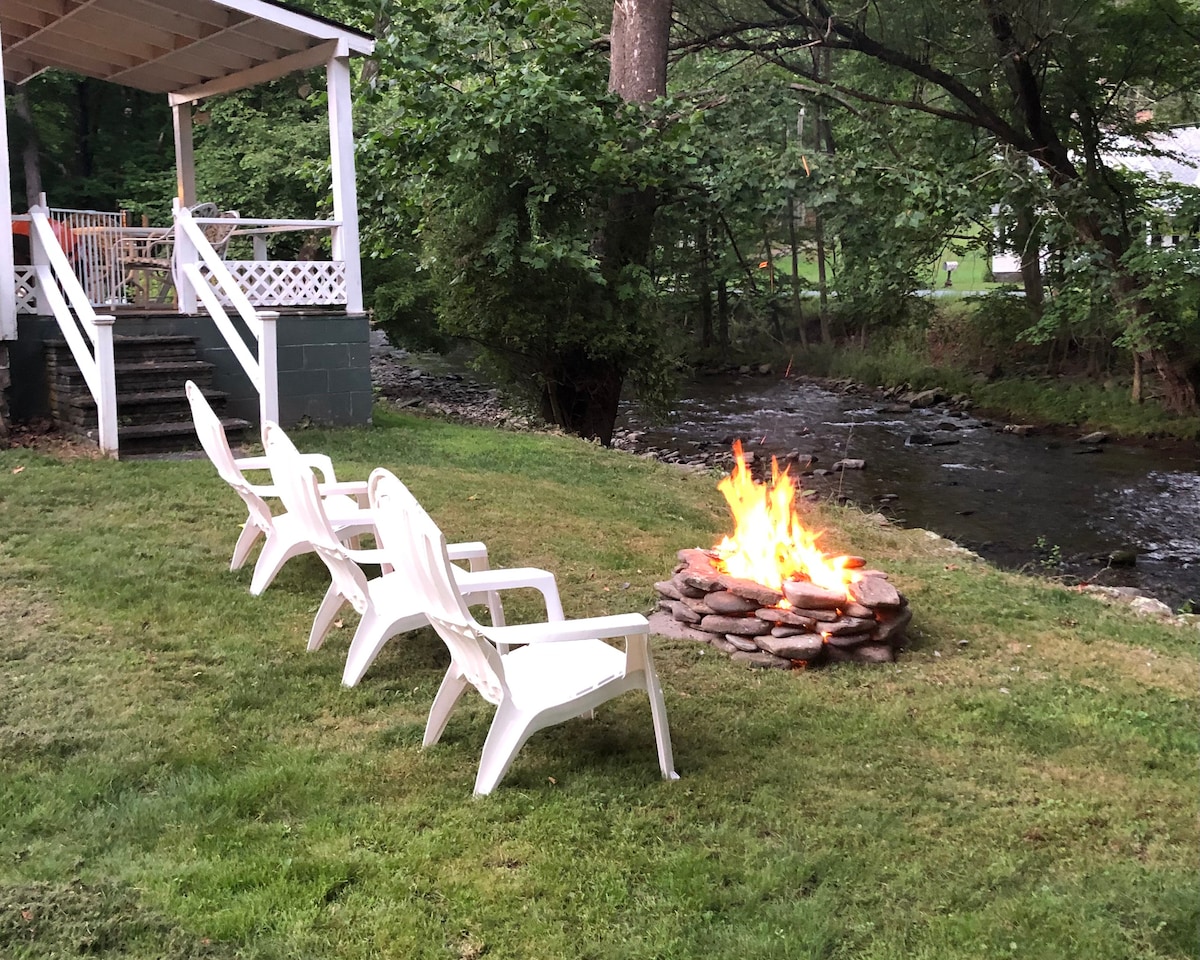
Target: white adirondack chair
390, 603
285, 538
560, 670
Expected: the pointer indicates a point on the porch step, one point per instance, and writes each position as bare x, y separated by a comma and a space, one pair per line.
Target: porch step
153, 415
138, 349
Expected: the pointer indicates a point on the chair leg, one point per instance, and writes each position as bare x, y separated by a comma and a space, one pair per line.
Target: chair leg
275, 553
372, 633
245, 541
510, 729
453, 685
658, 713
331, 603
495, 608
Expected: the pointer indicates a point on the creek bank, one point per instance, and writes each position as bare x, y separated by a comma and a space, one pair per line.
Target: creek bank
420, 384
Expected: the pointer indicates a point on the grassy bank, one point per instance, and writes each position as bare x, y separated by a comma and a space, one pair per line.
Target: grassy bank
1029, 398
178, 778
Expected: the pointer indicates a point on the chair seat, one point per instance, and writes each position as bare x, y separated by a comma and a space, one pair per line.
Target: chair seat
544, 674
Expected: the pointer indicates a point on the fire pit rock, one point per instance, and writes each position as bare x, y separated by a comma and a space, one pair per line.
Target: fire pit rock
743, 618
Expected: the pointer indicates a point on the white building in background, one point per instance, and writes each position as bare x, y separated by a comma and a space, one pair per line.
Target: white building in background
1173, 157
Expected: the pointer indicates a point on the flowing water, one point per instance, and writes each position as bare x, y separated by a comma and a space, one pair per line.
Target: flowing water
1036, 502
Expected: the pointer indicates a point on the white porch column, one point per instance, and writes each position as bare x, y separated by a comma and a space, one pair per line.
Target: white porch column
8, 287
345, 196
185, 160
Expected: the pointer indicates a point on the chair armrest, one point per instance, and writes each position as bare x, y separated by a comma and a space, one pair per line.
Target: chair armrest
252, 463
513, 578
323, 465
379, 557
343, 488
589, 628
471, 550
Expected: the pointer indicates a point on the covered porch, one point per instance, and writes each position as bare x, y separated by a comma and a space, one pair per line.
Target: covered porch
251, 290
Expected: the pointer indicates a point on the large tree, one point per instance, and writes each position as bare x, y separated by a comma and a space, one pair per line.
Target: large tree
1052, 81
532, 190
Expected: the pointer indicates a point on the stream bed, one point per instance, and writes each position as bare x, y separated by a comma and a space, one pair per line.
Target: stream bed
1035, 501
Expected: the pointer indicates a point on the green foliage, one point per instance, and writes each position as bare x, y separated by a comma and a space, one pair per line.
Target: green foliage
497, 143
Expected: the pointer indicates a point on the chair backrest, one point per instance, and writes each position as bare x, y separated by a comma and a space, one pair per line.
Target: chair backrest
401, 521
296, 485
217, 234
216, 445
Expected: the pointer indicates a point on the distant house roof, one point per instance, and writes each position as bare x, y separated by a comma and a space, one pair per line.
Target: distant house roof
165, 46
1172, 155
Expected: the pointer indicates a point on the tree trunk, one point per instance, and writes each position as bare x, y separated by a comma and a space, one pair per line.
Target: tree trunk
704, 287
582, 394
1028, 242
822, 286
797, 301
30, 149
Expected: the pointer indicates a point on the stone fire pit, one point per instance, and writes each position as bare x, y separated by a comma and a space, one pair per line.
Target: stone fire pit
743, 618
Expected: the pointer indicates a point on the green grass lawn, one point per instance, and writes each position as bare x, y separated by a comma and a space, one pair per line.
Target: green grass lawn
180, 779
969, 277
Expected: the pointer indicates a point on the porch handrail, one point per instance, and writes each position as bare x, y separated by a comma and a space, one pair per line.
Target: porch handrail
55, 276
192, 249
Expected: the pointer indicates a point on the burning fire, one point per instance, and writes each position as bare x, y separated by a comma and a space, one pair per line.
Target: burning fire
769, 543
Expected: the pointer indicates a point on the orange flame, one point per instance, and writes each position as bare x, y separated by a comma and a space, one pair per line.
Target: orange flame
769, 543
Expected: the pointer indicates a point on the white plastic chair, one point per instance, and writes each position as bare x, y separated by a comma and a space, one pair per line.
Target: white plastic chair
561, 670
390, 603
285, 537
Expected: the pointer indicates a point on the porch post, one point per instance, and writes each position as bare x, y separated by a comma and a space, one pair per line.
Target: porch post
185, 161
8, 286
345, 197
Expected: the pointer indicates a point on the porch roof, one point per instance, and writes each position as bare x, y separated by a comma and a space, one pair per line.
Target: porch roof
190, 48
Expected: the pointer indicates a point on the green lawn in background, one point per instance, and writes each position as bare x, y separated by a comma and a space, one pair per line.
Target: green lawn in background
970, 276
180, 779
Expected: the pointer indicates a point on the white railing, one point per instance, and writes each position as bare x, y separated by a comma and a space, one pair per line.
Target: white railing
200, 274
288, 283
56, 286
87, 236
26, 288
95, 242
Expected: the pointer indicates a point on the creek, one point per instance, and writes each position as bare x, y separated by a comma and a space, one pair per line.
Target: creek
1039, 502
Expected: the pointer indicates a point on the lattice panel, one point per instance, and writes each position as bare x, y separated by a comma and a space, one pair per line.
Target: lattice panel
290, 283
26, 289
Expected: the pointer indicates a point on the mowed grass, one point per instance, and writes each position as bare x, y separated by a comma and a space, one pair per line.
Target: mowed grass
179, 778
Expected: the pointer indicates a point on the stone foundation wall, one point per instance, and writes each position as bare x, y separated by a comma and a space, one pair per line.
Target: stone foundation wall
324, 365
5, 380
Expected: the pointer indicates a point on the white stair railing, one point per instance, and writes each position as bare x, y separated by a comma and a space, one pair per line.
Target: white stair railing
200, 274
56, 277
